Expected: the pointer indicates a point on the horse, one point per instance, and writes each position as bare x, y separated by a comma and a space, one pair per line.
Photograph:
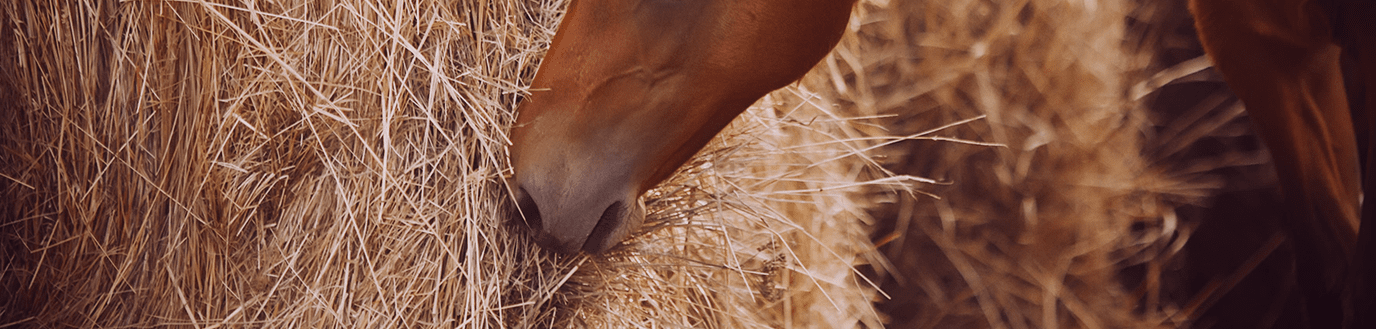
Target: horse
630, 89
1283, 59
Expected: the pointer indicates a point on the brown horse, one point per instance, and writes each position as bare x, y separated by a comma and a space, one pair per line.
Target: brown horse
1282, 59
630, 89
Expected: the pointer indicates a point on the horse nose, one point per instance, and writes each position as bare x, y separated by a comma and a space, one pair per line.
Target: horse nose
569, 221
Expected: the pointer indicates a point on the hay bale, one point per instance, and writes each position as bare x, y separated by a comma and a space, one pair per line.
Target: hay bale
1037, 232
341, 164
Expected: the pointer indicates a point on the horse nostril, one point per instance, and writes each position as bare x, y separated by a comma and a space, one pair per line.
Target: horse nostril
613, 220
568, 229
529, 212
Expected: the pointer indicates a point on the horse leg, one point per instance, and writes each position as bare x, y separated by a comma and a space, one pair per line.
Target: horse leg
1278, 56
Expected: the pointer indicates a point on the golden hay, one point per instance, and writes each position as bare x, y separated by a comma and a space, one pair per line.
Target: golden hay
340, 164
1034, 234
304, 164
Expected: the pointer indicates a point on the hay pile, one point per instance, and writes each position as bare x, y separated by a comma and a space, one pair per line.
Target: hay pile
1067, 225
341, 164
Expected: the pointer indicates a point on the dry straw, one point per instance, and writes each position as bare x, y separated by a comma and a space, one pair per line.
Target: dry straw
341, 164
1035, 234
283, 164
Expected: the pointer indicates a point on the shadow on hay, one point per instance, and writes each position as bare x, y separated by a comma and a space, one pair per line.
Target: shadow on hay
1238, 269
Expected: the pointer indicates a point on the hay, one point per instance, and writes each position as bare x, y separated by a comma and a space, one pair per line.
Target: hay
1037, 234
283, 164
341, 164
